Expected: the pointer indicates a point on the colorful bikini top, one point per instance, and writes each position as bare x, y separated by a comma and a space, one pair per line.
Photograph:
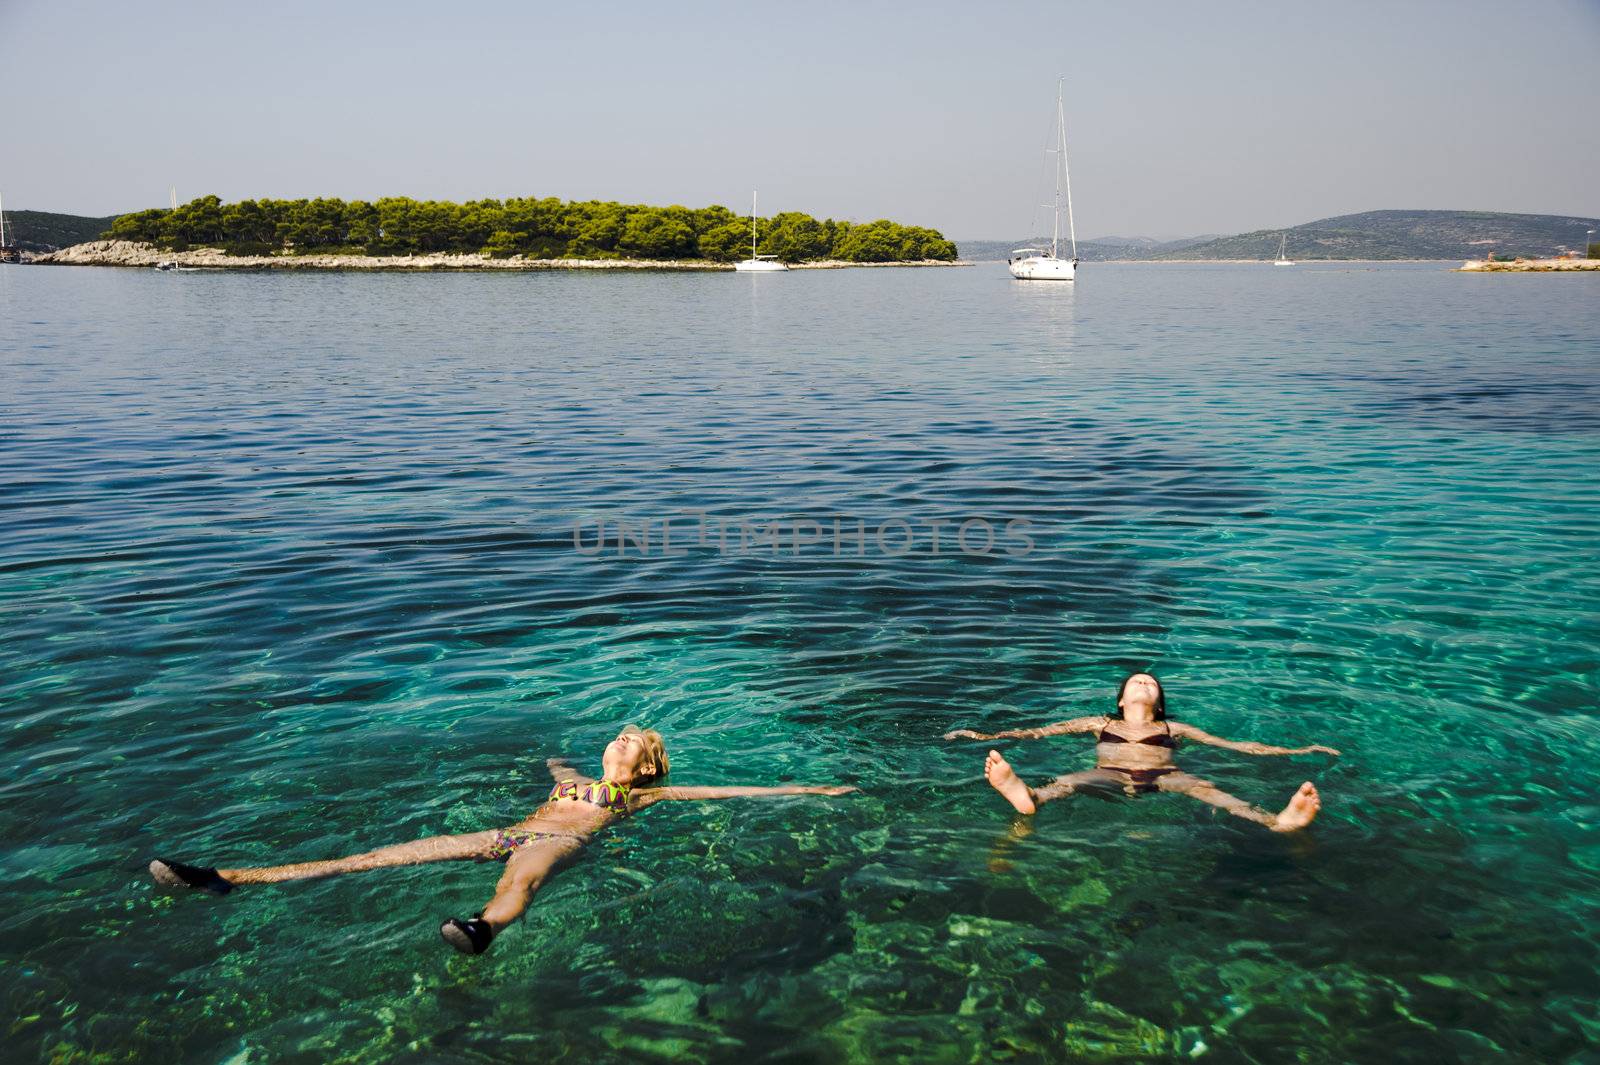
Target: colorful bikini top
1160, 739
602, 793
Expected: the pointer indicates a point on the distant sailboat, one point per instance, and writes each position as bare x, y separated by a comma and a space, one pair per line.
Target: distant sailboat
8, 254
1036, 264
170, 264
1283, 242
759, 264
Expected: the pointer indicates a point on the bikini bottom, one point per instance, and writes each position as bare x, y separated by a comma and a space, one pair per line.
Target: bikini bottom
1142, 781
507, 842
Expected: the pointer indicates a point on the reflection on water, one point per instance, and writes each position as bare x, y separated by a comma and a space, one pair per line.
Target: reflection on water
1044, 317
287, 571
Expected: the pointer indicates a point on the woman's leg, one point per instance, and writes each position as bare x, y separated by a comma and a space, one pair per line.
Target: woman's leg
1026, 800
433, 849
1301, 811
1090, 782
526, 871
525, 874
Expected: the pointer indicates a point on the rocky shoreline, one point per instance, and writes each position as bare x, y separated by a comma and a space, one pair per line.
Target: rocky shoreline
1269, 262
129, 253
1528, 266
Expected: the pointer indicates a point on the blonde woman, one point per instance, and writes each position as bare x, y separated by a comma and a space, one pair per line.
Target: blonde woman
631, 768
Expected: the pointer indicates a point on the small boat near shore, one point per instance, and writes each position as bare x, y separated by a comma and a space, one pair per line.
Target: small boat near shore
8, 253
758, 264
170, 264
1037, 264
1282, 259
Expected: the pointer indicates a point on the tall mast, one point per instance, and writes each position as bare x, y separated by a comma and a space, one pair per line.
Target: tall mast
173, 190
2, 224
1061, 132
752, 225
1055, 232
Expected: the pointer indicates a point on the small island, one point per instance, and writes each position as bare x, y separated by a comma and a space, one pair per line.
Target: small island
401, 233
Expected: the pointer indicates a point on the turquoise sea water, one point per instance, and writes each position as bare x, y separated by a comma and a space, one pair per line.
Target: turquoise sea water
287, 570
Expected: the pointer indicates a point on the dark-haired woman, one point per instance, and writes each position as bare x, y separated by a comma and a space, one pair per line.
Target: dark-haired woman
1133, 755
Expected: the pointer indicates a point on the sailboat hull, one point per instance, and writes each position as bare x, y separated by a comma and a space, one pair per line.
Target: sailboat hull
1043, 268
759, 266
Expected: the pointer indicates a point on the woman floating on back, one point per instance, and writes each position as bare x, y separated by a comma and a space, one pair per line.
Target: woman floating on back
532, 849
1134, 755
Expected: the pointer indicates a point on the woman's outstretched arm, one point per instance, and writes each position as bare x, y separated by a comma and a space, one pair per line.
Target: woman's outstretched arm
649, 795
1060, 728
1189, 732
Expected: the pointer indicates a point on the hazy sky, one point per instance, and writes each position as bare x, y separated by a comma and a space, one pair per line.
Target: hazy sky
1183, 118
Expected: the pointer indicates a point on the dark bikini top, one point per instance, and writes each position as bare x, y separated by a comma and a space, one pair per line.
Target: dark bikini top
1159, 739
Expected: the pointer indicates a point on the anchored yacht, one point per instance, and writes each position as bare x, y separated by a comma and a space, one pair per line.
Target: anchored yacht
1038, 264
757, 264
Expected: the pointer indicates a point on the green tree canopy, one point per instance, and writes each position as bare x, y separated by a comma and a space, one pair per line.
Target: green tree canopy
536, 228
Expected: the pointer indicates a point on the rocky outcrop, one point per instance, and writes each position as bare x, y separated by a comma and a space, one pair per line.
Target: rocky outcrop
129, 253
1529, 265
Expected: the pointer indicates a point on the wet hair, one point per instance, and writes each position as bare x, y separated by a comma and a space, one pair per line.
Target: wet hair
655, 752
1161, 695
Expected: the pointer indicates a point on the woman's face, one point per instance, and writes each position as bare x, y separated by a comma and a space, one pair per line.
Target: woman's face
624, 757
1141, 690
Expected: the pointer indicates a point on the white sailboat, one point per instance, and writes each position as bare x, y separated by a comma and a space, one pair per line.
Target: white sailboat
1037, 264
1283, 243
170, 264
759, 264
8, 254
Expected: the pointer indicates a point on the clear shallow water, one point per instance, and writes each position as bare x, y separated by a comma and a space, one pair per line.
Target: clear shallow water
287, 570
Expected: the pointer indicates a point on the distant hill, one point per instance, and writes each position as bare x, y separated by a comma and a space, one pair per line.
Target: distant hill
1404, 235
1088, 250
44, 231
1371, 235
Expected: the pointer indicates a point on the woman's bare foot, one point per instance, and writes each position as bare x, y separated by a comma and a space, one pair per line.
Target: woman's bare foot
1301, 811
1005, 780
